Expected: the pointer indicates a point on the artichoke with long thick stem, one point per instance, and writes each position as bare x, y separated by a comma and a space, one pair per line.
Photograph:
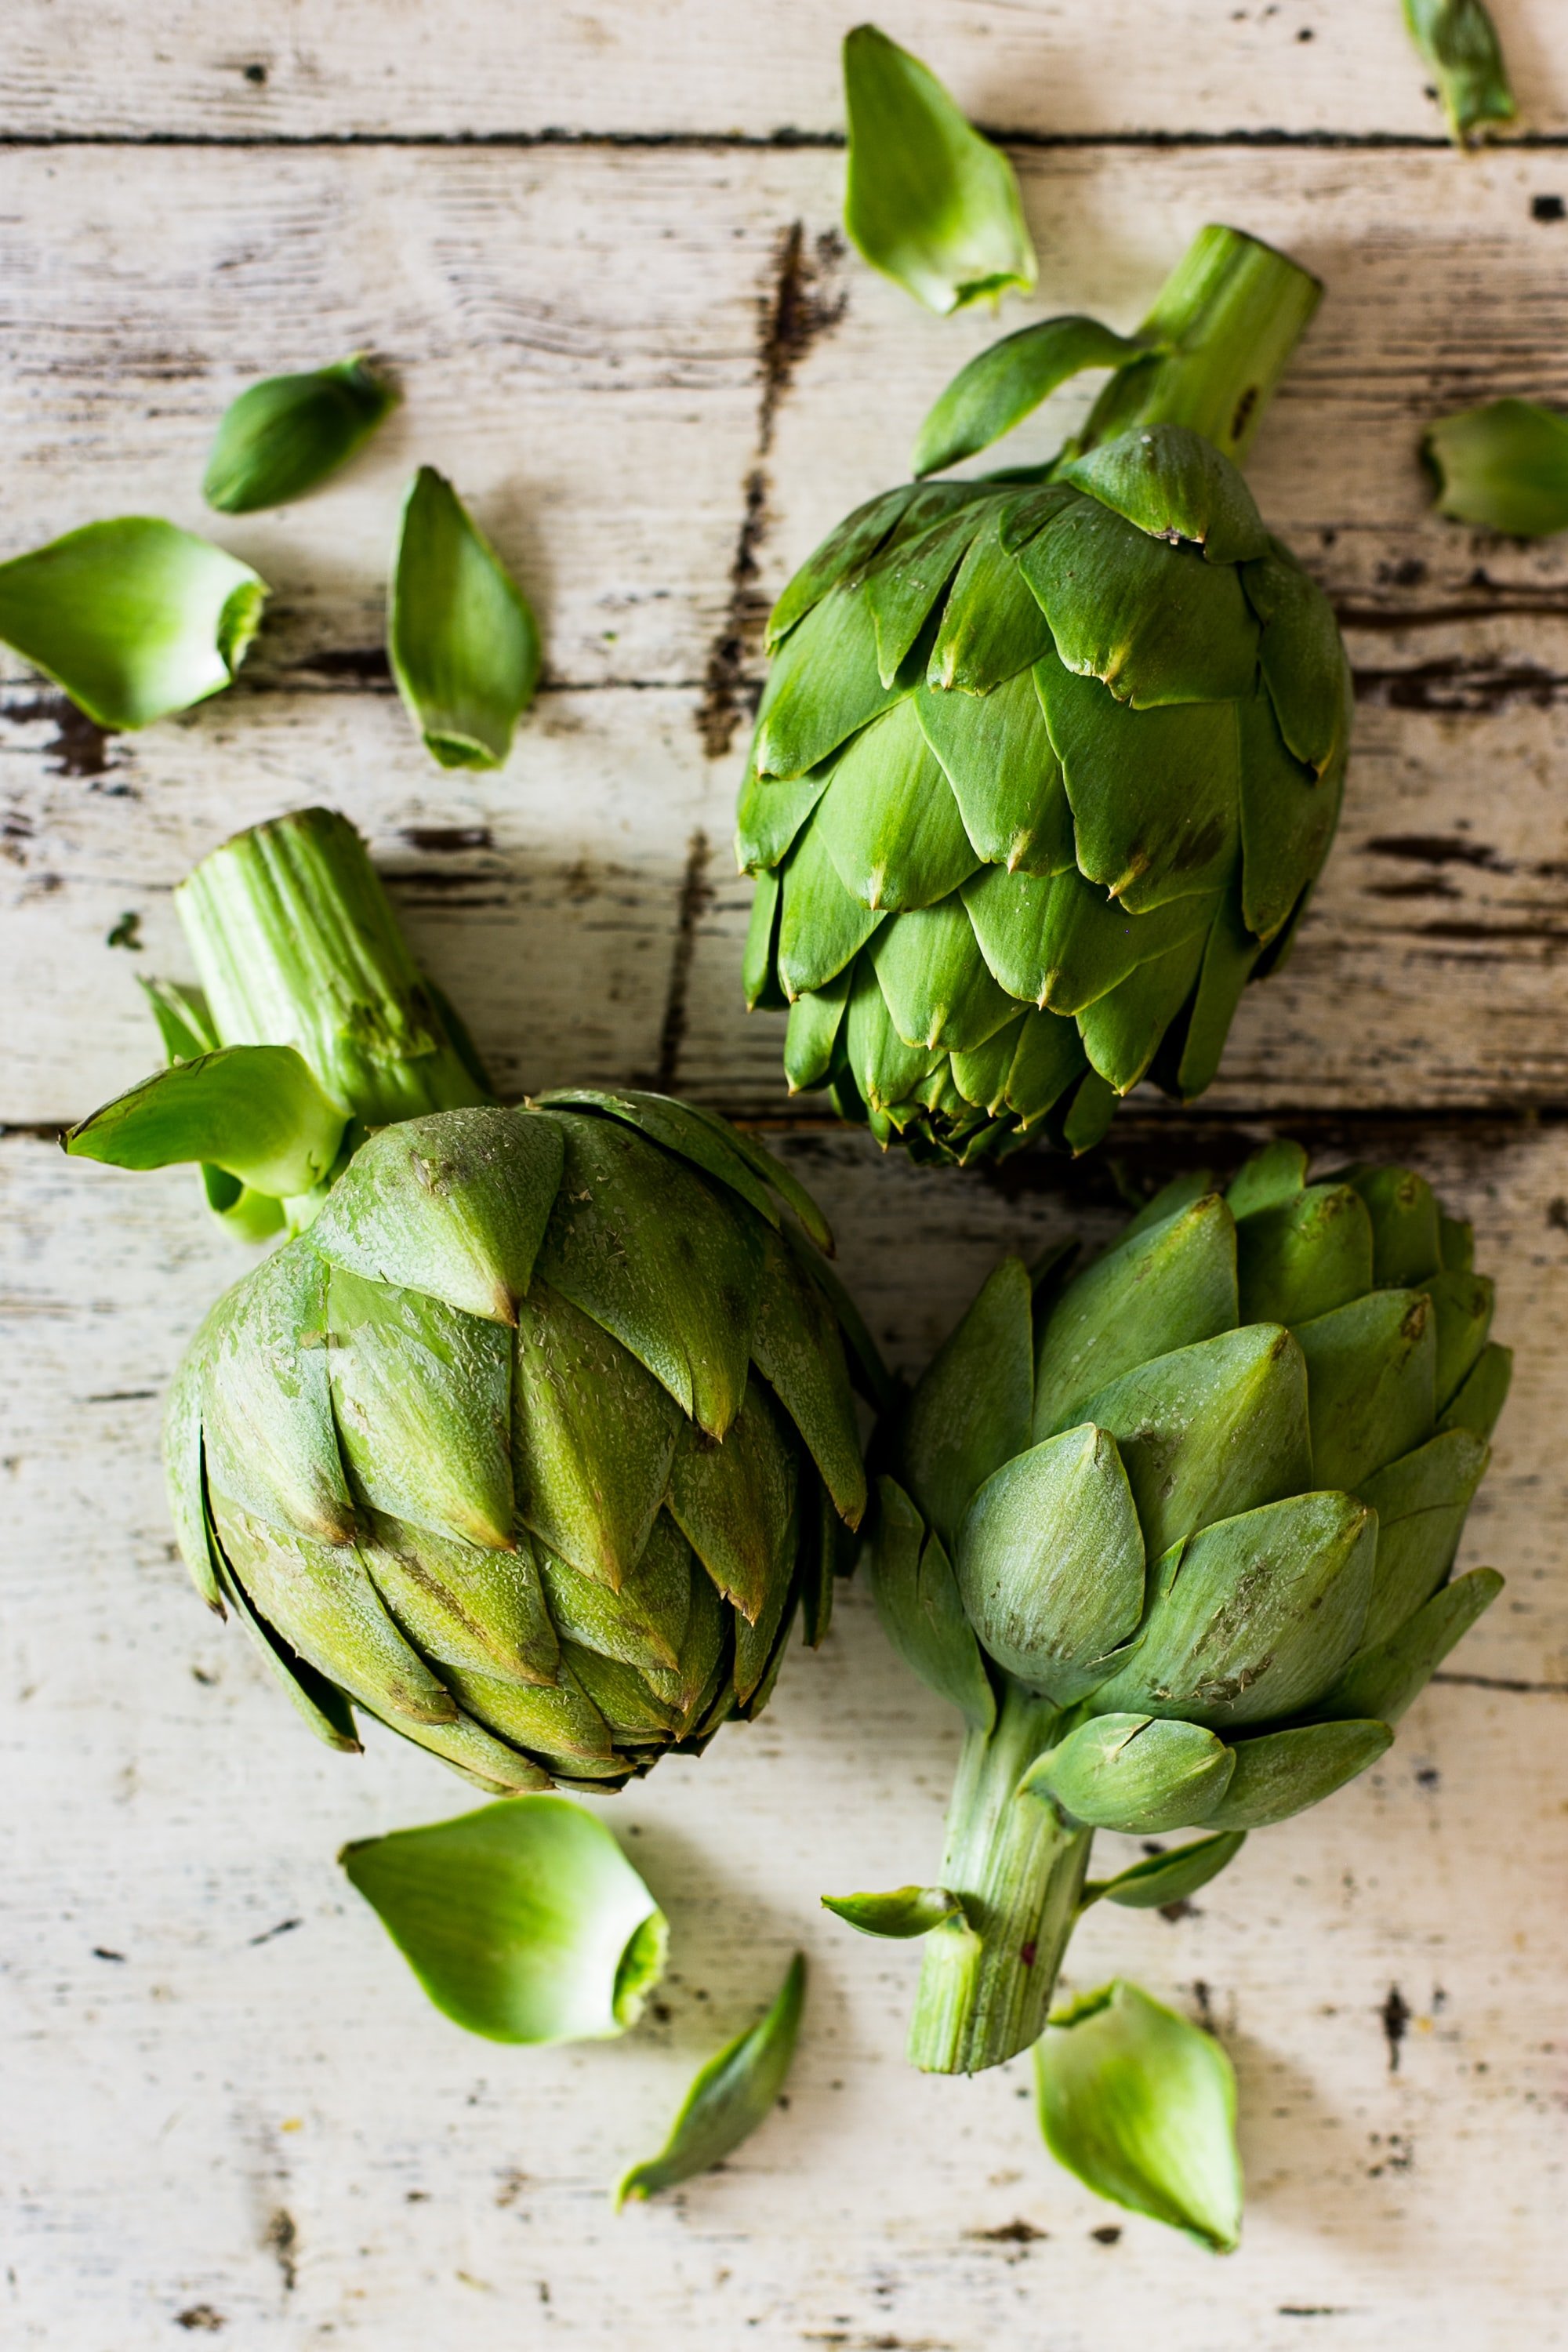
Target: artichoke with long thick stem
1047, 762
1175, 1534
536, 1435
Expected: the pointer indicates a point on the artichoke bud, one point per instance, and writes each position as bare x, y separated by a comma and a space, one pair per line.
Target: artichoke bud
1134, 1773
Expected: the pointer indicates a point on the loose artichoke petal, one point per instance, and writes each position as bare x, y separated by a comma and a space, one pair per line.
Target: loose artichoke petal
1370, 1369
1165, 1878
905, 581
1121, 1031
283, 436
1270, 1179
1050, 1563
271, 1440
794, 1346
255, 1111
1302, 1257
421, 1396
1255, 1618
1007, 381
890, 821
1142, 2107
664, 1263
822, 687
1502, 467
133, 618
732, 1502
812, 1034
1385, 1680
524, 1921
1458, 40
992, 626
1282, 1772
971, 1407
927, 200
1155, 623
1406, 1251
1421, 1502
1484, 1394
823, 926
1463, 1304
314, 1698
843, 553
593, 1438
460, 1605
1167, 1287
1173, 484
1155, 794
1135, 1774
916, 1596
1007, 780
770, 815
736, 2091
1209, 1432
886, 1070
644, 1623
321, 1599
934, 978
454, 1206
1303, 661
463, 641
1288, 820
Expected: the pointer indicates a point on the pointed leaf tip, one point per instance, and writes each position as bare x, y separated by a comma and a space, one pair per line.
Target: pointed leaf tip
905, 1912
254, 1111
729, 2097
283, 436
462, 638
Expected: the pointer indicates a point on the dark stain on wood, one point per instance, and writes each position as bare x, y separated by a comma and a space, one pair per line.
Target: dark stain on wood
447, 840
81, 747
696, 893
1460, 686
1395, 2014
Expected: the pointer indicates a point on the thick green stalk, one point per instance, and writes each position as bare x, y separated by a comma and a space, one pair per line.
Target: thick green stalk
1231, 312
297, 944
984, 1990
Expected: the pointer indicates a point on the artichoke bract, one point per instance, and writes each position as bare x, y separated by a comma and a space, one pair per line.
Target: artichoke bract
1176, 1535
536, 1435
1047, 764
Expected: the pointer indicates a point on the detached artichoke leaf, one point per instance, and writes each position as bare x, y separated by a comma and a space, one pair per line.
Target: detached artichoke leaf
1282, 1772
1457, 42
1132, 1773
927, 201
462, 639
903, 1913
283, 436
730, 2096
132, 617
1142, 2107
1007, 383
1165, 1878
255, 1111
1502, 467
524, 1922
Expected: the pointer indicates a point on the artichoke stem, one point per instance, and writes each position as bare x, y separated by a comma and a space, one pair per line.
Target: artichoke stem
297, 944
985, 1988
1231, 314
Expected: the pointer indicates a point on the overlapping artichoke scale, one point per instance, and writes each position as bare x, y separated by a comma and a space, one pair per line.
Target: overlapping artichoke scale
548, 1550
1217, 1480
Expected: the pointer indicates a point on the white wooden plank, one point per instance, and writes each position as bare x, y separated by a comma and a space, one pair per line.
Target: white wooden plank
694, 67
164, 2108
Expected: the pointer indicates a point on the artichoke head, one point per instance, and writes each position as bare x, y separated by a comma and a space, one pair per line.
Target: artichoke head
1042, 776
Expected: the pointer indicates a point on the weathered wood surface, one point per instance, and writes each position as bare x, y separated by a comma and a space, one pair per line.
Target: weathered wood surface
657, 396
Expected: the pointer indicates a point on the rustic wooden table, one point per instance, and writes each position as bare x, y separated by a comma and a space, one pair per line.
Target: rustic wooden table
599, 247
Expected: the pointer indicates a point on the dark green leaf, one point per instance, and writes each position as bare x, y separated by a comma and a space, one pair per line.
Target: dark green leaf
463, 642
1002, 385
1457, 42
732, 2094
889, 820
906, 1911
1006, 777
1173, 484
283, 436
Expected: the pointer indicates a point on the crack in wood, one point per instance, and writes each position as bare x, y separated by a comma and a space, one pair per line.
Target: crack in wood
785, 136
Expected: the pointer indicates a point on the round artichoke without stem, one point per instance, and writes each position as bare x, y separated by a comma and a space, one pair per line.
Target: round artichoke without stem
537, 1435
1176, 1535
1045, 768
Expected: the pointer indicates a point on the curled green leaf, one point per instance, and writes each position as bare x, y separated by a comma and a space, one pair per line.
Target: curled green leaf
1142, 2105
905, 1911
185, 1026
1458, 40
463, 641
283, 436
132, 617
1164, 1878
524, 1921
928, 201
1502, 467
731, 2096
255, 1111
1002, 385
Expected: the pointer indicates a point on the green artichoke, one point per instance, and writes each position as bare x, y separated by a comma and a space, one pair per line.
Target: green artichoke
1175, 1535
1046, 765
538, 1432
